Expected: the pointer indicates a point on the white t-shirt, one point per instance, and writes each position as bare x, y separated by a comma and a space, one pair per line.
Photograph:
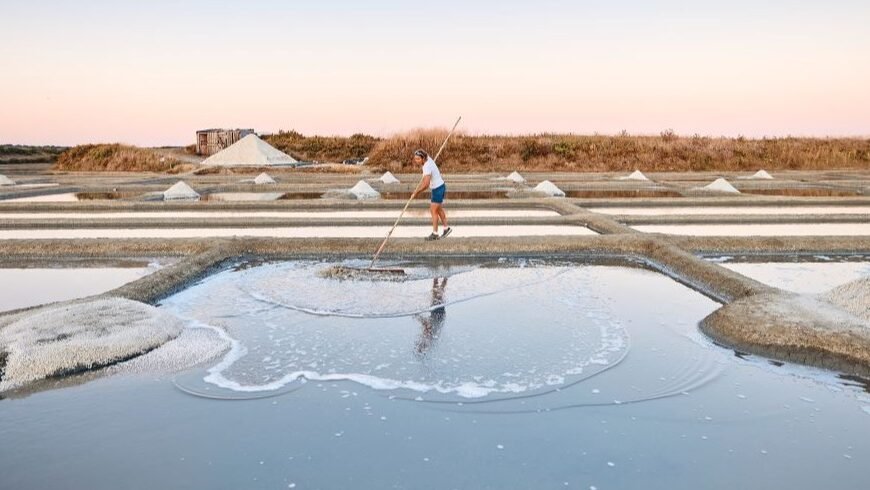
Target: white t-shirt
431, 168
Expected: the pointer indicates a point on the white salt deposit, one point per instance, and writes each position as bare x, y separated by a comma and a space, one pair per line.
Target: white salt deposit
516, 178
853, 297
761, 174
389, 178
4, 180
70, 337
636, 175
362, 190
719, 185
180, 192
196, 344
264, 178
549, 189
250, 151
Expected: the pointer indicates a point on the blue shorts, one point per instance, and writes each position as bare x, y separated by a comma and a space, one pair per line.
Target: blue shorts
438, 194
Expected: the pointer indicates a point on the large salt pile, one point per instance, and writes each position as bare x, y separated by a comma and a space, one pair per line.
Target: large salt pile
4, 180
549, 189
264, 178
719, 185
853, 297
362, 190
389, 178
761, 174
71, 337
636, 175
180, 192
250, 151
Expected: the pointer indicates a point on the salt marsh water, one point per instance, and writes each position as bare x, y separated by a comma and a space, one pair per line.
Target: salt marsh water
805, 277
20, 288
295, 232
314, 214
791, 229
503, 374
702, 210
63, 197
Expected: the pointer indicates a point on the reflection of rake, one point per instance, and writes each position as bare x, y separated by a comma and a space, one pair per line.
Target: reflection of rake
341, 272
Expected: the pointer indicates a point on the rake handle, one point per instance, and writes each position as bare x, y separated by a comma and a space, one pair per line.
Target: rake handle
384, 243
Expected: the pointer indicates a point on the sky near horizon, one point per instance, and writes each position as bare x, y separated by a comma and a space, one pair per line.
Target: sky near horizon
152, 73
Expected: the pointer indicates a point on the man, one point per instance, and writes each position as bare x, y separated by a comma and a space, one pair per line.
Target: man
435, 183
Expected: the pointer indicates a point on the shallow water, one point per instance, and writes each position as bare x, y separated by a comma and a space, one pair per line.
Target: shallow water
700, 210
243, 196
620, 193
20, 288
789, 229
65, 197
805, 277
297, 232
800, 191
411, 213
669, 410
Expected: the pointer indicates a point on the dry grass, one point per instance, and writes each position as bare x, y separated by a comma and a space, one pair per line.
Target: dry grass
322, 148
117, 158
29, 154
667, 152
543, 152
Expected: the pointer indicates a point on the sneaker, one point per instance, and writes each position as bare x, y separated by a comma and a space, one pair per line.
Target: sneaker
446, 232
433, 236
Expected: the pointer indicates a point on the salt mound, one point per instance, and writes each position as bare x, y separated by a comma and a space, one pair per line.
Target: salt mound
180, 191
516, 177
264, 178
194, 346
720, 185
549, 189
636, 175
250, 151
853, 297
72, 337
362, 190
761, 174
389, 178
4, 180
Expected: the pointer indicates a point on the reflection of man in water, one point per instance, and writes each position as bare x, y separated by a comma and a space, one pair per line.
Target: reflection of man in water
434, 320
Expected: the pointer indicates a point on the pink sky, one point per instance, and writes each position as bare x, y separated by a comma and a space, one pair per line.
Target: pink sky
150, 75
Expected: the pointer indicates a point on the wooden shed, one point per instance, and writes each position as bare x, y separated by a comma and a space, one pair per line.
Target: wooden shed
211, 141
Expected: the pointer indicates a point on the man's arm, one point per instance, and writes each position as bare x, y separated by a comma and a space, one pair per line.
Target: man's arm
424, 184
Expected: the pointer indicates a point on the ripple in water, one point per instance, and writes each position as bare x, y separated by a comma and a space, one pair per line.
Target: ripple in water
466, 332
